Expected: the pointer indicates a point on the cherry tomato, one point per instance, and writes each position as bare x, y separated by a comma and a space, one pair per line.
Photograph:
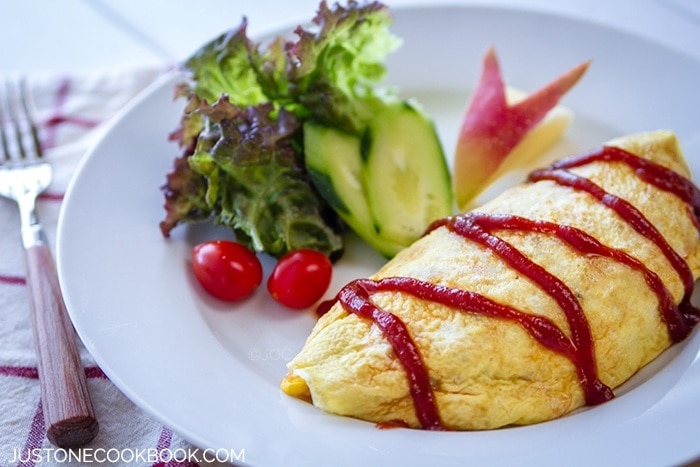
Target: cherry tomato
227, 270
300, 278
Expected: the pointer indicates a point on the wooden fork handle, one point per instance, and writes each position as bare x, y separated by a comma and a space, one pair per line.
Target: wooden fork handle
68, 412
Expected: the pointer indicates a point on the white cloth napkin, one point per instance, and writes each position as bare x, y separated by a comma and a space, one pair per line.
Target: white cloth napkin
71, 112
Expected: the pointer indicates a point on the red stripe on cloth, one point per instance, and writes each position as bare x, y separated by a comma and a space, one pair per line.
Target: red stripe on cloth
31, 372
164, 443
57, 118
35, 439
49, 196
20, 371
12, 280
30, 453
95, 372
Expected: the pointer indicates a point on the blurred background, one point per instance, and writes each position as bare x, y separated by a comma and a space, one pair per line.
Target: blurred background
73, 35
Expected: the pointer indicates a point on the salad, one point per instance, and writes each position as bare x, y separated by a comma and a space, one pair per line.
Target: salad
290, 143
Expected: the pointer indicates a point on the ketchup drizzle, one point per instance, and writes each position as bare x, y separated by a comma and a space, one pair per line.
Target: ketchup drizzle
625, 210
356, 297
659, 176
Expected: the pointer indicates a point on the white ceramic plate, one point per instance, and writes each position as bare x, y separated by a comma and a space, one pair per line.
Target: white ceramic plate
211, 371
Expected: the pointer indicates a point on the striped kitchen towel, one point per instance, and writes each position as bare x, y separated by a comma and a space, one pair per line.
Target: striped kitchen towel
71, 113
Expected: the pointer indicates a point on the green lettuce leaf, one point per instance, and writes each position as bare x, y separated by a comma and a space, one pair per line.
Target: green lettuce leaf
223, 67
185, 190
336, 68
185, 200
257, 182
242, 161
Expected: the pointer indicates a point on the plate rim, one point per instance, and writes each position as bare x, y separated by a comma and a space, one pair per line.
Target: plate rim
158, 86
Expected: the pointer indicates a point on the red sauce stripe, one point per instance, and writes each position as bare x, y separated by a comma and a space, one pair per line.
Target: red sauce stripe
626, 211
472, 227
651, 172
356, 299
587, 244
579, 348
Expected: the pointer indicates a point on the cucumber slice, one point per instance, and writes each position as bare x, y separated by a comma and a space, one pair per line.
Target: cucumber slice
333, 159
334, 162
387, 186
406, 175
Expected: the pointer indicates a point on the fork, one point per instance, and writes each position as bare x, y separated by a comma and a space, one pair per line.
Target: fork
69, 416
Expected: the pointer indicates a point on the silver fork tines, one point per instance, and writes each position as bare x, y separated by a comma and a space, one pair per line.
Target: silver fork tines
23, 173
68, 413
16, 109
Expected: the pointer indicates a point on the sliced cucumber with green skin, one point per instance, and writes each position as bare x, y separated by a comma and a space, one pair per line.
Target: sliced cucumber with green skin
387, 186
333, 159
334, 162
406, 175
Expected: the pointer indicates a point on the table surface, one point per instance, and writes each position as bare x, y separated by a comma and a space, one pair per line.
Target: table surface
87, 34
82, 35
